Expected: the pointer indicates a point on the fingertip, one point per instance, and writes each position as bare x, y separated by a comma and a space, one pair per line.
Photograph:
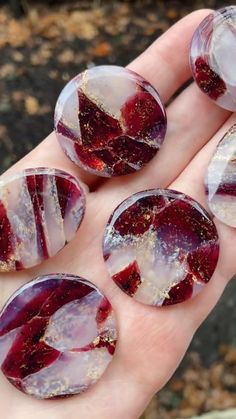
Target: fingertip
165, 64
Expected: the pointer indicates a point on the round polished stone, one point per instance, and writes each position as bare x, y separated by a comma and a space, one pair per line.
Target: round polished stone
220, 181
110, 121
213, 56
160, 247
40, 212
57, 336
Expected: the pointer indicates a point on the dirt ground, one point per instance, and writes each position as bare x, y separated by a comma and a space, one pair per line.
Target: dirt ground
43, 45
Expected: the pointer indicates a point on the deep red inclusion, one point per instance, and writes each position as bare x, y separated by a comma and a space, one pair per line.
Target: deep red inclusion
35, 187
208, 80
103, 311
68, 193
5, 235
31, 309
180, 292
138, 217
97, 127
225, 188
140, 113
182, 228
129, 279
28, 354
202, 261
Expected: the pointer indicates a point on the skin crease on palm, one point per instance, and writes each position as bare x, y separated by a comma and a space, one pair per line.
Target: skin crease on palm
152, 341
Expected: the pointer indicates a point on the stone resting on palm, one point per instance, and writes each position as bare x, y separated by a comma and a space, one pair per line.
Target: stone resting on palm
152, 341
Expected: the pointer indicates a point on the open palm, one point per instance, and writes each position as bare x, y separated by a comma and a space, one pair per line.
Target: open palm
152, 341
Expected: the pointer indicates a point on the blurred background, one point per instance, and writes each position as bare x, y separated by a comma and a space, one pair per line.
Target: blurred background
43, 45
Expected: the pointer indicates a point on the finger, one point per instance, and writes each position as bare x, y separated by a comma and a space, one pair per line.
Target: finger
192, 117
193, 120
165, 63
49, 154
191, 182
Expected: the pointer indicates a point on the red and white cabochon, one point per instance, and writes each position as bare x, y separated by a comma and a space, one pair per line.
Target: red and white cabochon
160, 247
57, 336
220, 180
40, 211
110, 121
213, 56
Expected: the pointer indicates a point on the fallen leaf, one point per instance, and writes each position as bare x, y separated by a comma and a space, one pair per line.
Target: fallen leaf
102, 49
7, 70
66, 56
31, 105
17, 56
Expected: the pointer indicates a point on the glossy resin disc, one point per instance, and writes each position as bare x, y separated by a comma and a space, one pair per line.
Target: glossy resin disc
213, 57
160, 247
40, 212
110, 121
220, 179
57, 336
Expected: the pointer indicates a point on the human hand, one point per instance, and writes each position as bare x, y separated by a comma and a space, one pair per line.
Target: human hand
152, 341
